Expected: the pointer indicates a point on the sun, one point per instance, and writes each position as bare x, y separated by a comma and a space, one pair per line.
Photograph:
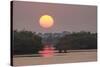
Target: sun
46, 21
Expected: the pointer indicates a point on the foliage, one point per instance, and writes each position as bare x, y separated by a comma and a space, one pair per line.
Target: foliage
79, 40
26, 42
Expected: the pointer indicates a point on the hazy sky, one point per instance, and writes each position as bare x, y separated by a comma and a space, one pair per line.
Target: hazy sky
66, 17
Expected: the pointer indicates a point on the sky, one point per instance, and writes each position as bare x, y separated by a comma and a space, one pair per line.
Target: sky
67, 17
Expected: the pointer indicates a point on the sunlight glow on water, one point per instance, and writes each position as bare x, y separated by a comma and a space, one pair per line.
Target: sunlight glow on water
47, 52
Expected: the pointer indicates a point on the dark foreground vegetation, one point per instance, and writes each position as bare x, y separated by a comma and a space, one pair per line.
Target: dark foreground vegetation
26, 42
79, 40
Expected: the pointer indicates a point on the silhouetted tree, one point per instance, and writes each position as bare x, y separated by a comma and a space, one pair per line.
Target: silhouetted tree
79, 40
26, 42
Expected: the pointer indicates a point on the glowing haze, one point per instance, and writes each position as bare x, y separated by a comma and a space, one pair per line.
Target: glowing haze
59, 17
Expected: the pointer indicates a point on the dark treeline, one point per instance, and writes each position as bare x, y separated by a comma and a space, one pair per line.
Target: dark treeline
26, 42
79, 40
